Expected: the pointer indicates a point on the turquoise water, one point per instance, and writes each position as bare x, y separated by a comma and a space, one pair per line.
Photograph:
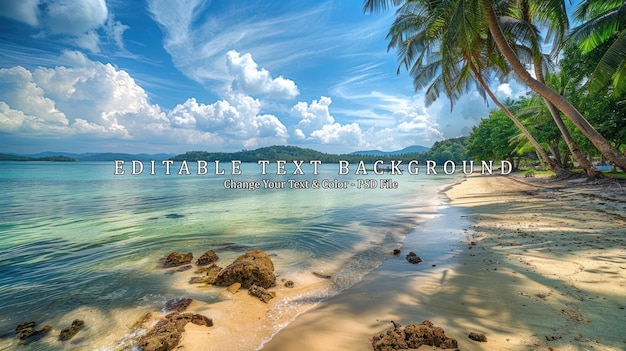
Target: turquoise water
76, 237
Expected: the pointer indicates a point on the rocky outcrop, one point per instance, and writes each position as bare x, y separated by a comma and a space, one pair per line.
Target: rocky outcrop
28, 332
207, 258
177, 259
261, 293
69, 332
412, 337
252, 268
166, 334
413, 258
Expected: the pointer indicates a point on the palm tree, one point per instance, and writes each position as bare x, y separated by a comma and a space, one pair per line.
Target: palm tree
552, 13
604, 20
417, 34
491, 20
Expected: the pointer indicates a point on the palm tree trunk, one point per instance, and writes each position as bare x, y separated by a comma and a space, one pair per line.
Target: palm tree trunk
553, 166
605, 148
591, 171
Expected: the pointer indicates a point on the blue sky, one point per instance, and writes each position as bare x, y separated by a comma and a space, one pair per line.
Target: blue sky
178, 75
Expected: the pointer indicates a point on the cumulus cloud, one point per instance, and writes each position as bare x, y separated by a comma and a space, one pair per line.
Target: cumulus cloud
90, 98
74, 21
26, 11
318, 125
238, 119
249, 79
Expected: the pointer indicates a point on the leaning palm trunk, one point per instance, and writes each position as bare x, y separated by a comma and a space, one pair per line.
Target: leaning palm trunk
605, 148
553, 166
591, 171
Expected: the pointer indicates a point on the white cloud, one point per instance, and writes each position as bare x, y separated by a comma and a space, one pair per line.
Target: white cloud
74, 17
249, 79
71, 21
237, 119
25, 11
318, 125
25, 103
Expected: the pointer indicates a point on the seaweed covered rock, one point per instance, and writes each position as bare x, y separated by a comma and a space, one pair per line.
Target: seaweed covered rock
207, 258
252, 268
28, 332
166, 334
177, 259
412, 337
69, 332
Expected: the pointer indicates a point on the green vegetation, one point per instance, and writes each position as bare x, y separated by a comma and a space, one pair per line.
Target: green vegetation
451, 149
5, 157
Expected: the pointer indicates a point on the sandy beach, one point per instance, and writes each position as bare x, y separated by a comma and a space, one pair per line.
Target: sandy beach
533, 264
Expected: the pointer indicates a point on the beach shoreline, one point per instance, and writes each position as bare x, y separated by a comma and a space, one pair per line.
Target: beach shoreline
535, 264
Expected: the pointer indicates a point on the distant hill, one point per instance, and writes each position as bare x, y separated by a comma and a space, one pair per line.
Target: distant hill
414, 149
90, 156
55, 158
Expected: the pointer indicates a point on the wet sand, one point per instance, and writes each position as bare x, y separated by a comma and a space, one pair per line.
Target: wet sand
532, 264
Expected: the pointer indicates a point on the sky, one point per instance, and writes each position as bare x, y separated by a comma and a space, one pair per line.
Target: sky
172, 76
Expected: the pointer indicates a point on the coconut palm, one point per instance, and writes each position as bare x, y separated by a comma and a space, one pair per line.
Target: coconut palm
490, 19
604, 20
520, 22
437, 68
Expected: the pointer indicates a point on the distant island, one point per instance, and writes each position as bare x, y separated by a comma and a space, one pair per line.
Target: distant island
450, 149
414, 149
57, 158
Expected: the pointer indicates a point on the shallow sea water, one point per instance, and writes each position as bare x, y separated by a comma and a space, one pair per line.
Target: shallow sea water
77, 240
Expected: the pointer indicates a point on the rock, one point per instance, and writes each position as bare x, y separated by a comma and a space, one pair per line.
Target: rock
234, 288
396, 251
289, 284
322, 275
261, 293
412, 337
251, 268
477, 337
27, 332
142, 320
178, 304
209, 277
69, 332
207, 258
413, 258
166, 334
177, 259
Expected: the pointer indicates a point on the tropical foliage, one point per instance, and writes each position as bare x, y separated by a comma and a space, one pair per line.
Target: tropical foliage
447, 44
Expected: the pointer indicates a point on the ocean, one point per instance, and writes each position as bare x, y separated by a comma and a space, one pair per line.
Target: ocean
79, 240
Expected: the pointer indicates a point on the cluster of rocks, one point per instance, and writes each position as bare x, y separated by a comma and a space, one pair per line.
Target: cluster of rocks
253, 270
411, 257
29, 332
412, 337
166, 334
